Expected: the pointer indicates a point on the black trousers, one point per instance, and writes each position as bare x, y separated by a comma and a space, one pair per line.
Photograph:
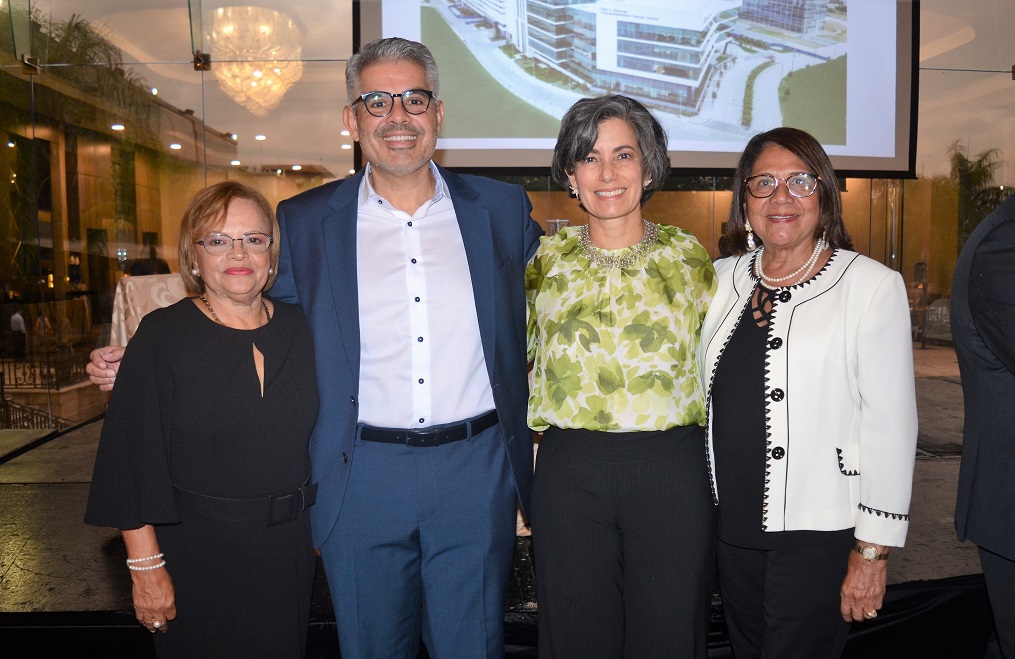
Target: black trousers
623, 540
784, 603
999, 575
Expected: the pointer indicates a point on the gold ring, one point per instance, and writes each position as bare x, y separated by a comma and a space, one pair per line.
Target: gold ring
870, 615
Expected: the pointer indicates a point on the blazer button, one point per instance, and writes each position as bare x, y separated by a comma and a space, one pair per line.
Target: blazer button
775, 343
778, 453
784, 296
352, 399
777, 395
345, 457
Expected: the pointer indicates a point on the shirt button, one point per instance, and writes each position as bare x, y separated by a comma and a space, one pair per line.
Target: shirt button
778, 453
421, 419
419, 339
345, 457
352, 399
410, 224
421, 380
777, 395
413, 260
417, 299
784, 296
775, 343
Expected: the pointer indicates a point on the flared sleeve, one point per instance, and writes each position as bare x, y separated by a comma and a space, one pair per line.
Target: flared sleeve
131, 482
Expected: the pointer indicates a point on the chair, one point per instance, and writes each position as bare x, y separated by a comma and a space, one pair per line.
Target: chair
136, 296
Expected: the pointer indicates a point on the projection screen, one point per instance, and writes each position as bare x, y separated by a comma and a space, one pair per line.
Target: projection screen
715, 72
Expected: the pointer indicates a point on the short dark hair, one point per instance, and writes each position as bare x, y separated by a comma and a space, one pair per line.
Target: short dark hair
809, 150
206, 211
579, 130
393, 49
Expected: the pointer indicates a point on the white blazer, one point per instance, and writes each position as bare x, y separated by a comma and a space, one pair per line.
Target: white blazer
840, 396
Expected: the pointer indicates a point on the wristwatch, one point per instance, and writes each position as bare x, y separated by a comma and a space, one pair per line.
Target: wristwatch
871, 553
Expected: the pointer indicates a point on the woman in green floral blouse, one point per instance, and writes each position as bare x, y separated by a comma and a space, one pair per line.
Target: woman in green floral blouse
622, 514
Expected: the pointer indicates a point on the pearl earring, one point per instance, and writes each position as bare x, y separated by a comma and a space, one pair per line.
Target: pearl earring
194, 272
271, 271
751, 245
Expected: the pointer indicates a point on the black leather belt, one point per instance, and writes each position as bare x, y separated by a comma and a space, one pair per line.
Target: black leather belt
430, 437
275, 508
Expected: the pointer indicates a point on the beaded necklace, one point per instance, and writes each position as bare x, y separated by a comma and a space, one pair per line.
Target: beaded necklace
216, 318
805, 269
631, 256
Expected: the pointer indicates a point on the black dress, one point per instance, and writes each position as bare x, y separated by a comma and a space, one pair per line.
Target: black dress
187, 411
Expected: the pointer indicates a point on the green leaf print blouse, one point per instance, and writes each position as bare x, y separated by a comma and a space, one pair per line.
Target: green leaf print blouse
614, 349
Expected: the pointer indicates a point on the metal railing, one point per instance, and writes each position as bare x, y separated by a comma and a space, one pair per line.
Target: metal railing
19, 417
55, 369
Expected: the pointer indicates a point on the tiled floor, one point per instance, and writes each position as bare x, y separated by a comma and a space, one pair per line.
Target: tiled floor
65, 579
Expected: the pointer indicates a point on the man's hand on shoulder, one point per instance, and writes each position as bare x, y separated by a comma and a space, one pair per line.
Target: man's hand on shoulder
104, 364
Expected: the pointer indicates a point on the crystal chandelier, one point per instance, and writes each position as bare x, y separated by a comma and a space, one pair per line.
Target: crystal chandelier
257, 55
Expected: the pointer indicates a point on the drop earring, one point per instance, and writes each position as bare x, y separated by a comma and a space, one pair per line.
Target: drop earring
574, 191
751, 245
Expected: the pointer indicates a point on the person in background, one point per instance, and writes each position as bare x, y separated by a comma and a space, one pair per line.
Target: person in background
412, 278
807, 360
203, 463
983, 329
622, 517
18, 322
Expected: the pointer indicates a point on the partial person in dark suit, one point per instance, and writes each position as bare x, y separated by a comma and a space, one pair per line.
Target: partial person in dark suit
412, 278
983, 329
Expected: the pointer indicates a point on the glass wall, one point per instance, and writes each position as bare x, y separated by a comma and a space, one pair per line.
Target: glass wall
112, 114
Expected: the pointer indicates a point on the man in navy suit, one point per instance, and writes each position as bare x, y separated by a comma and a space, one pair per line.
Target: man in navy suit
983, 329
412, 280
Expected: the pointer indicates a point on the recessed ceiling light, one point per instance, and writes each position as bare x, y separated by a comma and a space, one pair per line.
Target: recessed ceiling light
117, 126
344, 133
260, 138
352, 171
346, 146
234, 162
297, 168
175, 147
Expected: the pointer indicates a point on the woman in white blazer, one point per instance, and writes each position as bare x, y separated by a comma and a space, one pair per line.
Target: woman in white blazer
806, 356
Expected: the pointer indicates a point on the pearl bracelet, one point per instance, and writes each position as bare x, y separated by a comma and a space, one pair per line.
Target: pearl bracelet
131, 561
147, 567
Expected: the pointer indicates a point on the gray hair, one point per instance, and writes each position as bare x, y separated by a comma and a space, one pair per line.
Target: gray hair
579, 130
386, 51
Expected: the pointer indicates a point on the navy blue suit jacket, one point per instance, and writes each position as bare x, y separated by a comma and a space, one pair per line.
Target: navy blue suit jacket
983, 330
318, 271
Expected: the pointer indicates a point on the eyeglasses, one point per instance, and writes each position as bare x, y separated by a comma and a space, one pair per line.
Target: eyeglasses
800, 184
380, 104
218, 244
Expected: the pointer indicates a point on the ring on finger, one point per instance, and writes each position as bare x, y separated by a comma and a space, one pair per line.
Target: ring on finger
870, 615
158, 623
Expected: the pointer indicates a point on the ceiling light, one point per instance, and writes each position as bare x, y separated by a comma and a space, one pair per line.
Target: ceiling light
297, 168
256, 54
117, 126
260, 138
155, 91
175, 147
344, 133
234, 163
346, 146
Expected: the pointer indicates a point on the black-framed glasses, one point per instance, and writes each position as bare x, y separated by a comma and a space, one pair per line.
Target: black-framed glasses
800, 184
380, 104
253, 242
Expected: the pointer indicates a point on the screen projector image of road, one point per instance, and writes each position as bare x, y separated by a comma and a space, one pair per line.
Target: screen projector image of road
715, 72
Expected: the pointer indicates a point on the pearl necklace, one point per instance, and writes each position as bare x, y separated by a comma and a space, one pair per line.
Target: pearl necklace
216, 318
632, 255
805, 269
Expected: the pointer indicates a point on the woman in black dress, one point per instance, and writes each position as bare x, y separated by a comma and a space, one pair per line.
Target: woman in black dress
203, 462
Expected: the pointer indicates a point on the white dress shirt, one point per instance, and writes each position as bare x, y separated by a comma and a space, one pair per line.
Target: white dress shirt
421, 354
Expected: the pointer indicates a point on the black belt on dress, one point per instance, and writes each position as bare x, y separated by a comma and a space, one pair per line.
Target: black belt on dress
430, 436
276, 508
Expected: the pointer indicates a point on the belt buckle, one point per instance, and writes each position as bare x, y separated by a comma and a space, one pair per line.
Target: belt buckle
422, 438
285, 505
